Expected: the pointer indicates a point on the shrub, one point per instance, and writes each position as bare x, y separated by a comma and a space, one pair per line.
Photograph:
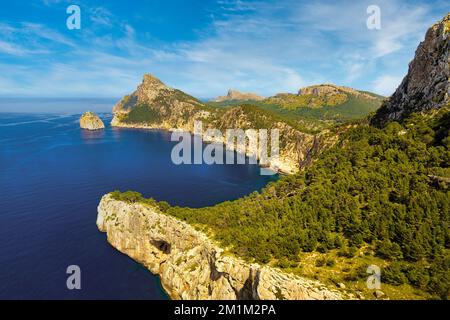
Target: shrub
393, 274
331, 263
388, 250
320, 262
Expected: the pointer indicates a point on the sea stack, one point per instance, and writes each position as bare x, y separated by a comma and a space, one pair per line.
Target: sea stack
90, 121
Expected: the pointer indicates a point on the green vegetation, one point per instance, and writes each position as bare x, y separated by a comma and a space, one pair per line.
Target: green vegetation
160, 108
352, 109
256, 118
294, 101
143, 114
313, 113
373, 197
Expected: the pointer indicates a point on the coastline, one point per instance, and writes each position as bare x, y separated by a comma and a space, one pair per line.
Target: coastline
286, 164
191, 265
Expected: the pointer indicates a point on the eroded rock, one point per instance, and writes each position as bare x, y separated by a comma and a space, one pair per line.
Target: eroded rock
426, 86
90, 121
192, 266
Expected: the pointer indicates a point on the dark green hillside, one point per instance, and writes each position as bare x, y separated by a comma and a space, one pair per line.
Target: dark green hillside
380, 196
142, 114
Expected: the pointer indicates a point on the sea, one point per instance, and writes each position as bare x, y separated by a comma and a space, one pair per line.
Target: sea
52, 177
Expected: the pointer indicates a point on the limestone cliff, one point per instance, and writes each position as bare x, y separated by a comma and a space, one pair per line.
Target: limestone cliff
90, 121
156, 106
234, 95
426, 86
190, 265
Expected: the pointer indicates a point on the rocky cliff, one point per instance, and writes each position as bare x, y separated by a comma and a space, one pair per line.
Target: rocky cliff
156, 106
90, 121
234, 95
190, 265
330, 89
426, 86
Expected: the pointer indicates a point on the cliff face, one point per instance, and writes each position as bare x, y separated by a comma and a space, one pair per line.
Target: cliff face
91, 121
171, 109
296, 148
190, 265
426, 86
236, 95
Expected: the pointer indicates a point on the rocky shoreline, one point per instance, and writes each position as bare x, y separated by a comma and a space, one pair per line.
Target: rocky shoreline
297, 153
192, 266
285, 164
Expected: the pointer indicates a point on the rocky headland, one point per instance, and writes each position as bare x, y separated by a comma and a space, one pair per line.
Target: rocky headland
190, 265
156, 106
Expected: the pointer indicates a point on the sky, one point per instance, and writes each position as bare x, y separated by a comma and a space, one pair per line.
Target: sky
206, 47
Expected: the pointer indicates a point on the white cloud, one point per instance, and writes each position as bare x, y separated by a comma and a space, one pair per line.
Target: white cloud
11, 49
35, 30
27, 39
101, 16
236, 5
399, 30
251, 46
52, 2
386, 84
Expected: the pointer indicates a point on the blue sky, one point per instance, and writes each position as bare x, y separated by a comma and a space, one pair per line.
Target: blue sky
206, 47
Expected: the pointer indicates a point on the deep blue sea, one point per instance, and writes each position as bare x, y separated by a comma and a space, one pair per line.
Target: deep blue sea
52, 176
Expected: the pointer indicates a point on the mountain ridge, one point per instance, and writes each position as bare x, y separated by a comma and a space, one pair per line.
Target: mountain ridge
377, 196
233, 95
153, 105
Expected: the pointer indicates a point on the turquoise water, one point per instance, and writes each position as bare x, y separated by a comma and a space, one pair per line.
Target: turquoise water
52, 176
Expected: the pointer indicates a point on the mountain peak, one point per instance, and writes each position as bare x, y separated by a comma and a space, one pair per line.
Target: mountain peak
237, 95
150, 83
151, 79
426, 86
153, 100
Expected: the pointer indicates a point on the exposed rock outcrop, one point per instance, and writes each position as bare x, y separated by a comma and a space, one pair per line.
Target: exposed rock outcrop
426, 86
171, 109
190, 265
234, 95
90, 121
332, 89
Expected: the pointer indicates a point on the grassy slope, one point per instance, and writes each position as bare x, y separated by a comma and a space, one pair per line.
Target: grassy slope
315, 118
